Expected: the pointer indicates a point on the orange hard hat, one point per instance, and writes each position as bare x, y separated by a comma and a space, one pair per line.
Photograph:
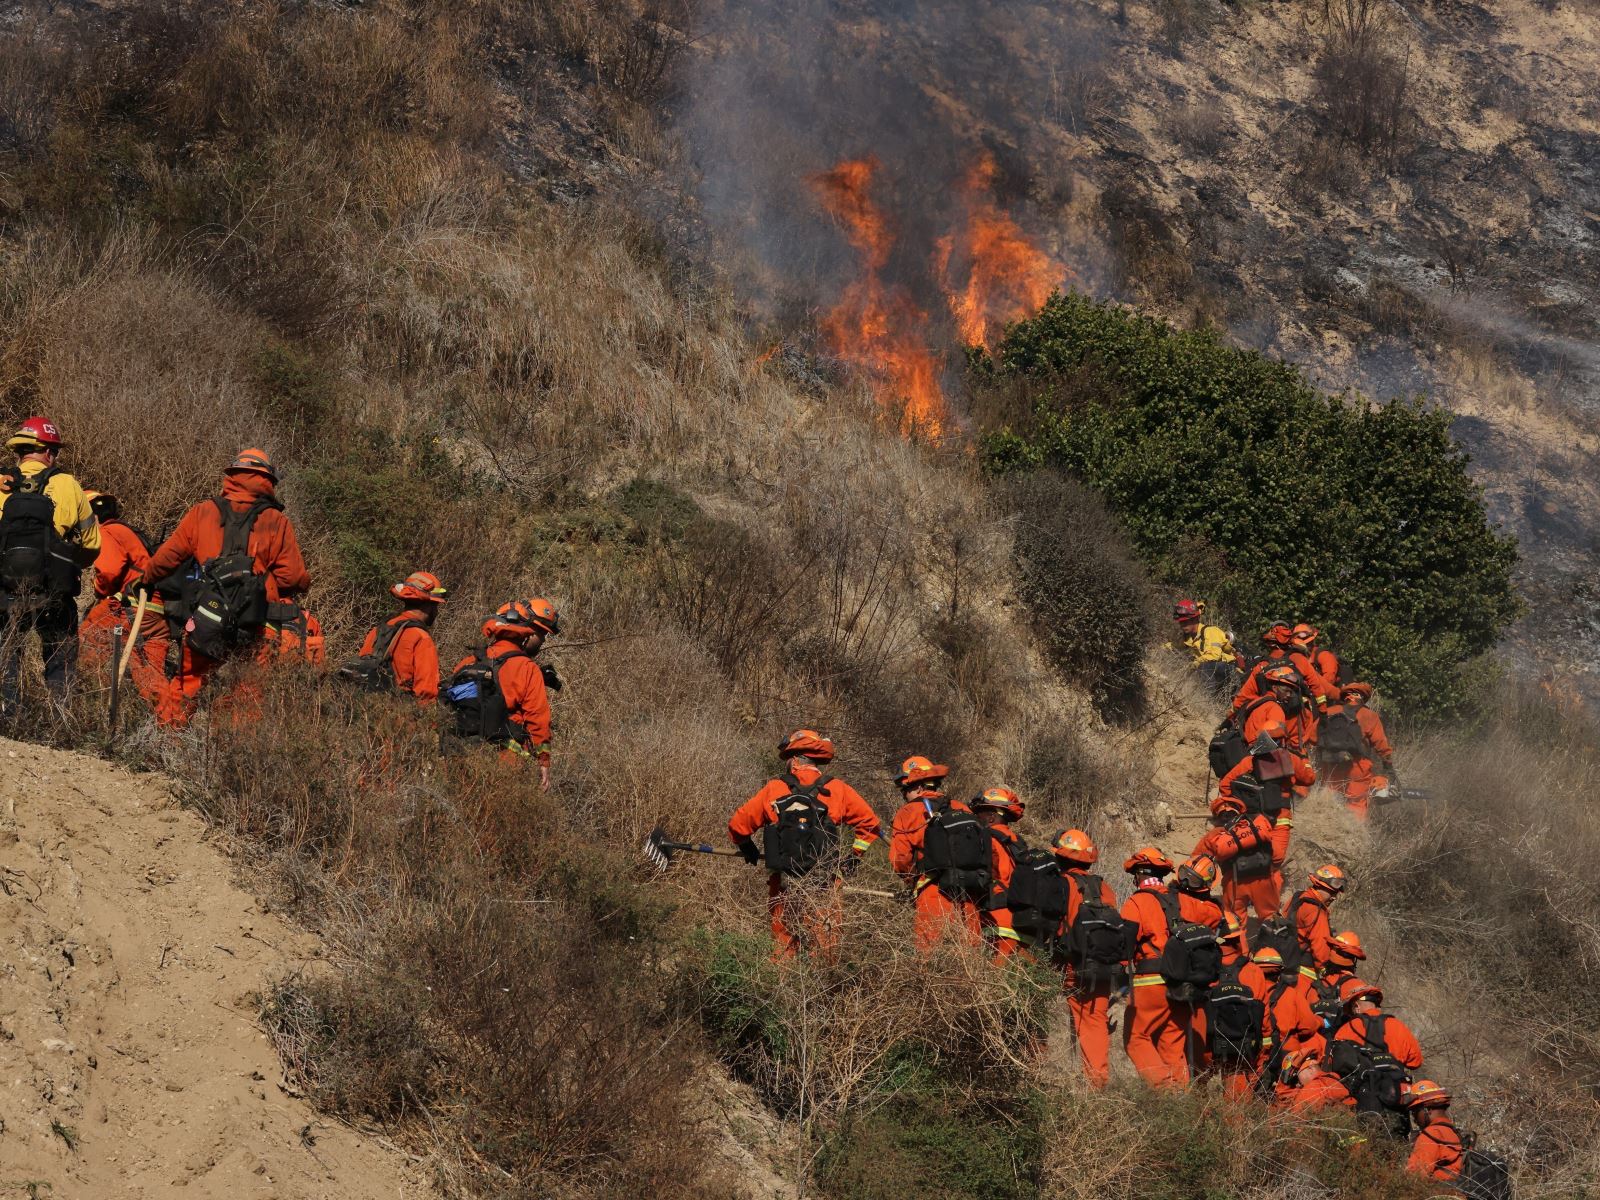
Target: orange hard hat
1347, 943
1148, 860
1279, 633
36, 433
1425, 1093
1230, 806
1231, 930
253, 460
1304, 634
523, 618
917, 769
422, 586
1364, 690
1356, 989
1267, 959
1328, 878
1199, 874
1075, 845
807, 743
1281, 675
1000, 799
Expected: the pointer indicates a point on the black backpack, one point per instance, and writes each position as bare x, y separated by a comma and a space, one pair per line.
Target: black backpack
473, 694
955, 852
1233, 1018
224, 596
1374, 1078
1339, 737
1191, 961
1328, 1006
1484, 1175
804, 833
1037, 895
1282, 933
1228, 749
374, 671
1099, 941
35, 561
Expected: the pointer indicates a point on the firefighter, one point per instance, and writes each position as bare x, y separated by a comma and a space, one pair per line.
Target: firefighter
947, 880
1239, 1073
1155, 1031
120, 566
1242, 844
1310, 916
1353, 746
1291, 1025
1211, 651
1305, 1085
998, 809
786, 809
48, 535
1092, 972
1325, 662
519, 721
249, 514
1439, 1151
1268, 780
408, 648
1363, 1004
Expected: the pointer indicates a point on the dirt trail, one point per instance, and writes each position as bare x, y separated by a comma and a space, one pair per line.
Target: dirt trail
131, 1064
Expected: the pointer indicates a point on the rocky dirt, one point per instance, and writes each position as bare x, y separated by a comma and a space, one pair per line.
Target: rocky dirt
131, 1061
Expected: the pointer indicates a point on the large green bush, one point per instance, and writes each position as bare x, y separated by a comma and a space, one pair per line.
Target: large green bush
1236, 477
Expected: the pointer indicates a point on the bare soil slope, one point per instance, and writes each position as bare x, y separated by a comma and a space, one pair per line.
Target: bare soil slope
131, 1063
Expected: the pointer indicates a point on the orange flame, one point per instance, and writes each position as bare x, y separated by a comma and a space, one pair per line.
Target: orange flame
1008, 277
874, 327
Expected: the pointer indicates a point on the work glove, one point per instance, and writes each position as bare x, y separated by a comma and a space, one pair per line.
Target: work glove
551, 679
847, 867
749, 852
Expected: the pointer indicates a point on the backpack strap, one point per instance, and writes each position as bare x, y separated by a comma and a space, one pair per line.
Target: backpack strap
810, 791
1169, 905
236, 526
389, 637
1372, 1032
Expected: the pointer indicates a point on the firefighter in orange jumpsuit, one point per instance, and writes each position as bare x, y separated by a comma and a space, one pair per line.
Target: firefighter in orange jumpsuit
1439, 1152
1357, 778
1242, 845
512, 636
1291, 1025
412, 655
805, 753
1362, 1002
938, 914
249, 481
1344, 952
1279, 767
999, 808
1155, 1030
1324, 662
1282, 651
1195, 881
1088, 988
1311, 922
1239, 1077
118, 570
1285, 717
1306, 1086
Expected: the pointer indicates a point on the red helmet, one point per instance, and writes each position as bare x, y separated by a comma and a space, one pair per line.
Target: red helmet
253, 460
1355, 989
35, 432
422, 586
1185, 611
1328, 878
1000, 799
808, 743
1279, 633
1147, 860
917, 769
1199, 874
1075, 845
523, 618
1425, 1093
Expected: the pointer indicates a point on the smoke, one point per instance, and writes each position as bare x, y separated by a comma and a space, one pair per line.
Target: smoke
782, 91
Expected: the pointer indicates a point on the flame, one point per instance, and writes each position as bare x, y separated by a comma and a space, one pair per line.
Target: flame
1008, 277
875, 327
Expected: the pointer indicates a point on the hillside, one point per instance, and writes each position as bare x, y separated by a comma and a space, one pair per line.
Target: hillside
134, 970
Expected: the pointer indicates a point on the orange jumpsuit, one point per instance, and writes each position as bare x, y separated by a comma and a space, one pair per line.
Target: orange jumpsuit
122, 559
1325, 1091
937, 915
1240, 895
1315, 933
1155, 1031
1397, 1037
412, 655
1202, 910
1089, 1003
1438, 1151
995, 923
527, 701
823, 915
1302, 727
1251, 690
1267, 894
199, 536
1291, 1025
1322, 687
1238, 1082
1357, 780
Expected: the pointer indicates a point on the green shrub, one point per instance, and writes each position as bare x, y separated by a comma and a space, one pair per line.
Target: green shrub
1235, 476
